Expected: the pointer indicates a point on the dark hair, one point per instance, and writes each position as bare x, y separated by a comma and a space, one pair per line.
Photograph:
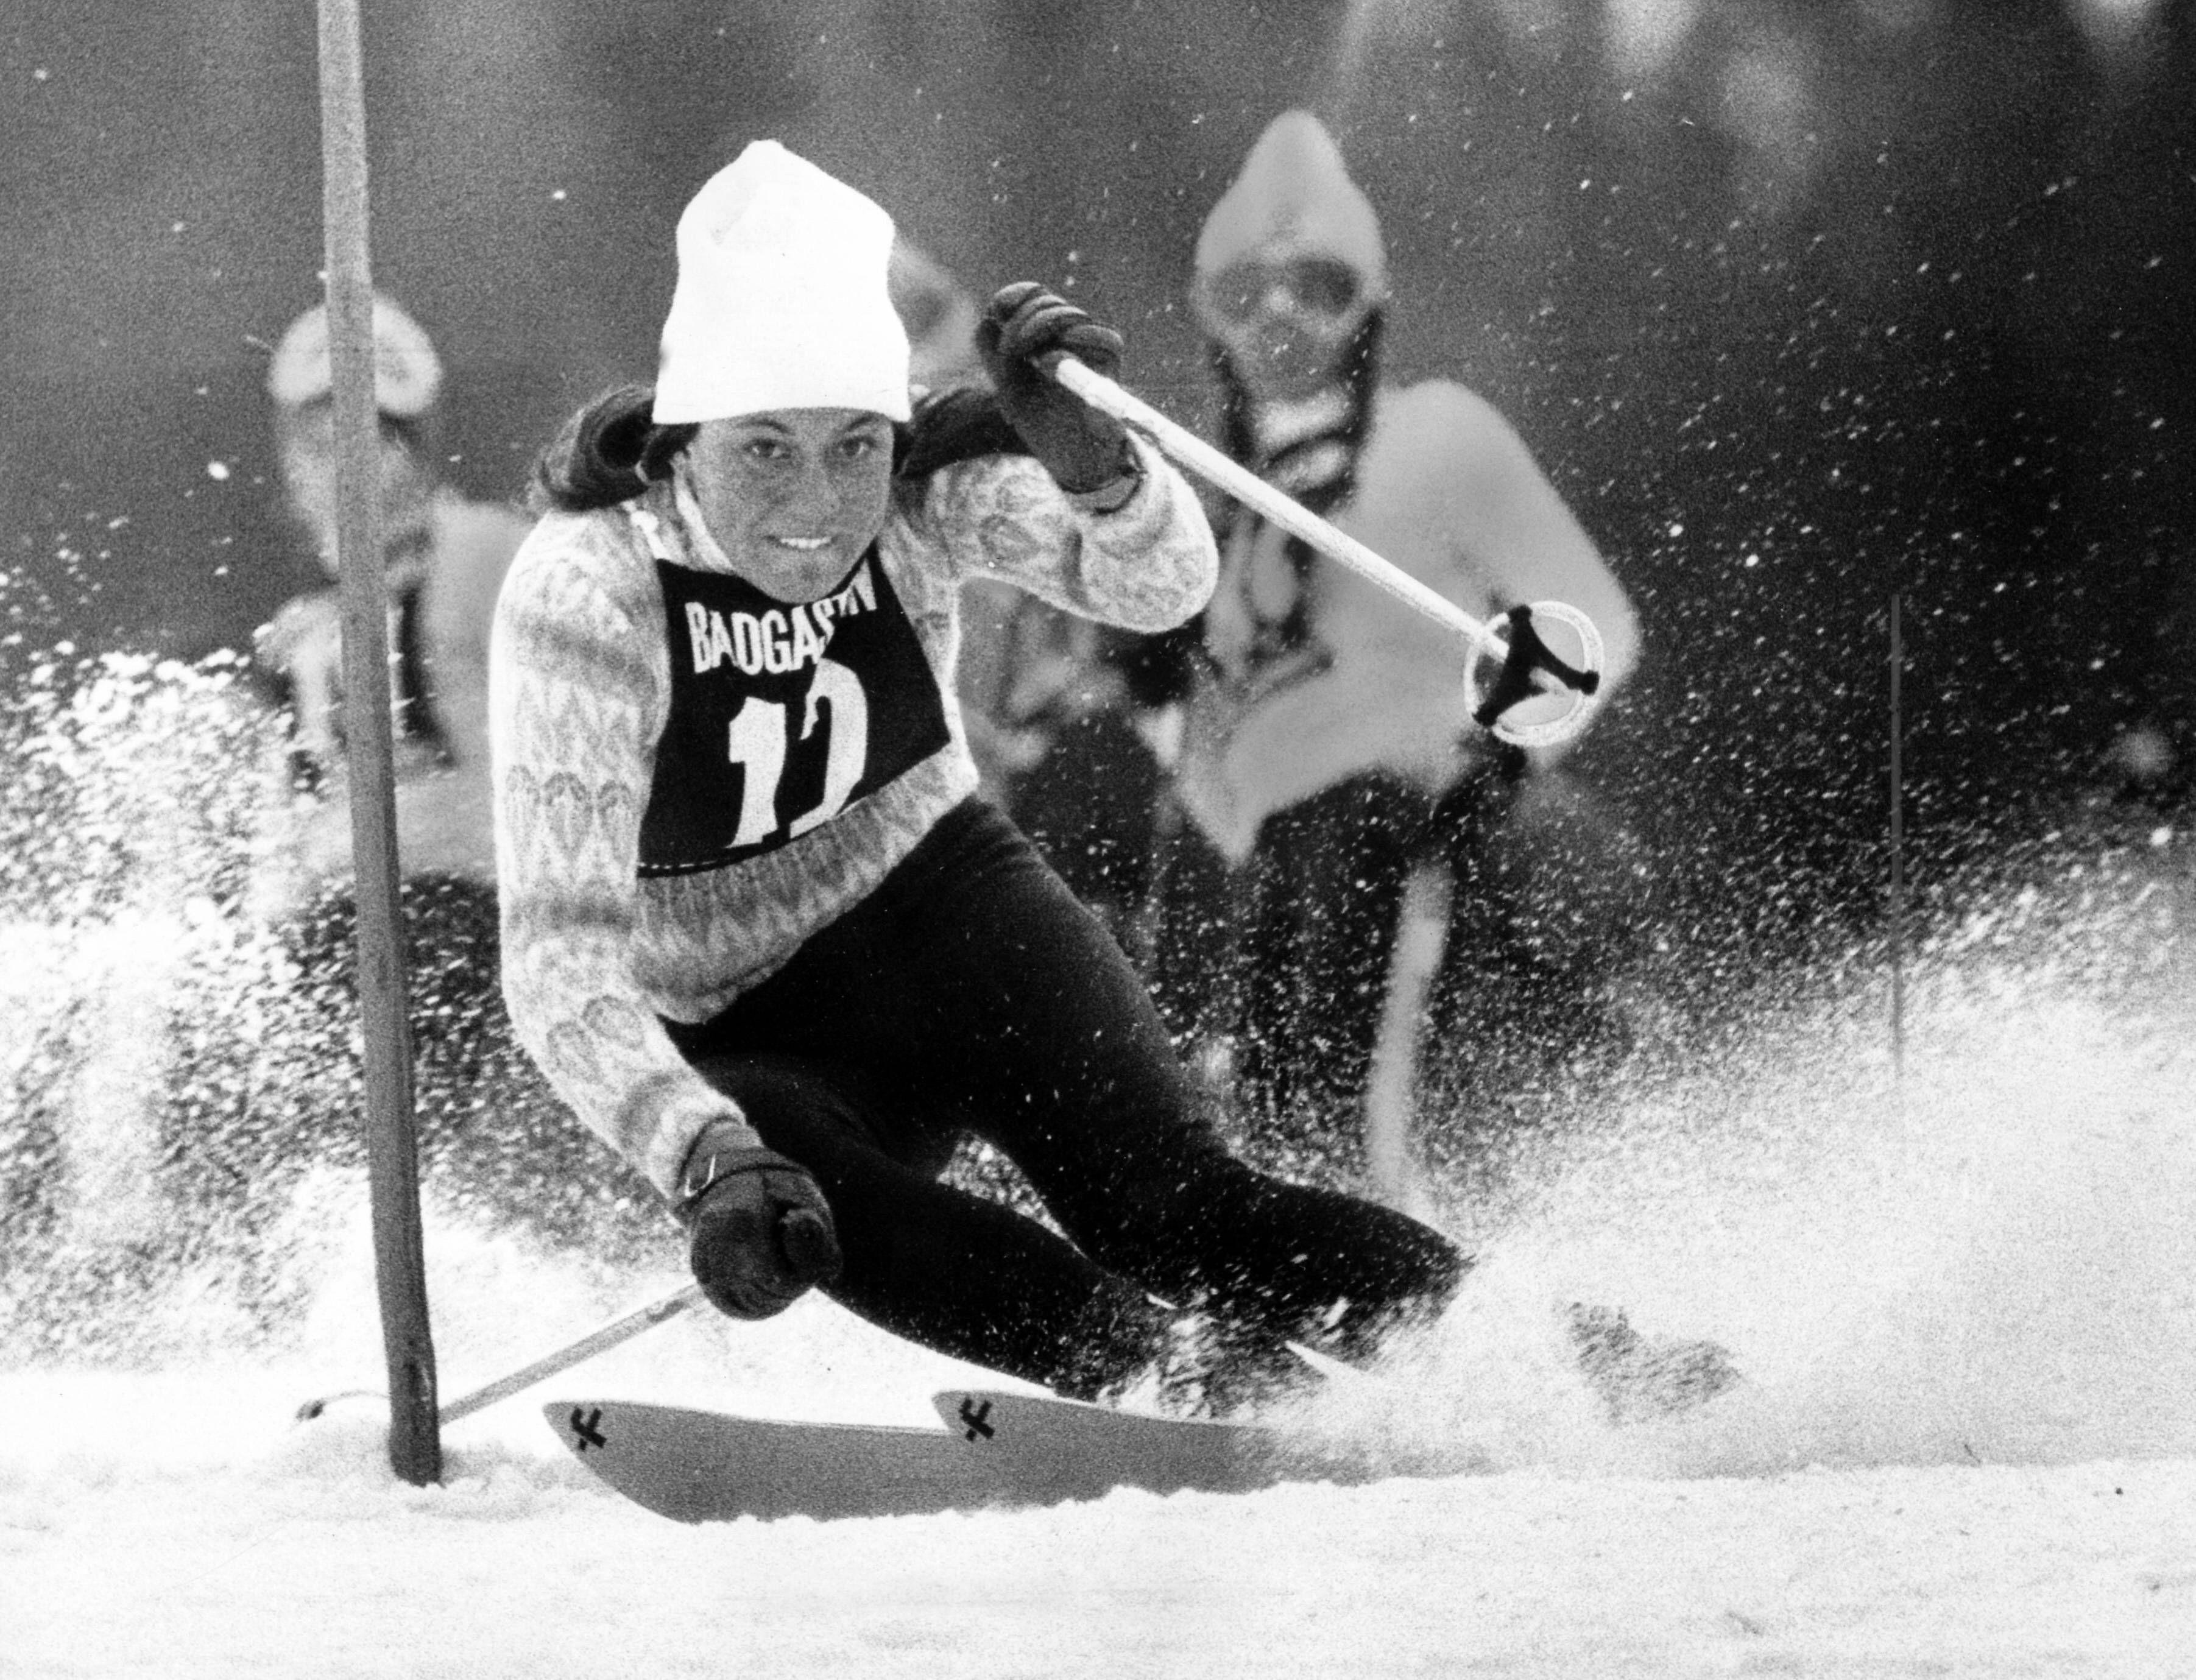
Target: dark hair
611, 450
606, 453
959, 423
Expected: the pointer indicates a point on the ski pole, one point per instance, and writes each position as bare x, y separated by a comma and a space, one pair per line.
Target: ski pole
1525, 668
600, 1341
595, 1341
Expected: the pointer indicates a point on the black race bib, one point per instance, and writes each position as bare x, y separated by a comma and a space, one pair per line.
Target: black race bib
781, 716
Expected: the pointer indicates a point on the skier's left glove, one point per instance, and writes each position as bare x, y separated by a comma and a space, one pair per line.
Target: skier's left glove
1083, 449
759, 1232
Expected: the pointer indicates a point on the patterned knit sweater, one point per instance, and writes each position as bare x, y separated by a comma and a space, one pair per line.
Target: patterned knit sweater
617, 910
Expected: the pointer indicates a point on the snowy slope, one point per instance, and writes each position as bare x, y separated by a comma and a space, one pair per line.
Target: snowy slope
1967, 1447
176, 1525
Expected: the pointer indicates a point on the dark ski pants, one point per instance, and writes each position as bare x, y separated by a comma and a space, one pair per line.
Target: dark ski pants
1287, 958
972, 993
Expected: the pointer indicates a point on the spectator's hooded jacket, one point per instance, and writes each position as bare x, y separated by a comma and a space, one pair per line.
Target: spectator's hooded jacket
1314, 675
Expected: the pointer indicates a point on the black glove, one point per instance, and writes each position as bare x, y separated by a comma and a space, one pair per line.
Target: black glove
1081, 448
759, 1232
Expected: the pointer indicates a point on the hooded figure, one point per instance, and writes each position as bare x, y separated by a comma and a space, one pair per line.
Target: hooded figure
261, 1053
445, 556
1328, 752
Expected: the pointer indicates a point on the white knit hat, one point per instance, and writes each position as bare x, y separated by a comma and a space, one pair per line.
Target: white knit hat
781, 300
407, 375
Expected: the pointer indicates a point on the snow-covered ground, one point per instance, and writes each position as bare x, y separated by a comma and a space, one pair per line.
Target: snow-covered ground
177, 1526
1967, 1446
1963, 1292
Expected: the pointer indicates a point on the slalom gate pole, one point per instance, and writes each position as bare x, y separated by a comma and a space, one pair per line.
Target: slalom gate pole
597, 1341
1186, 447
415, 1450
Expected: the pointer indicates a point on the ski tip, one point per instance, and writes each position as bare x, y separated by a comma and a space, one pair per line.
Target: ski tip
579, 1426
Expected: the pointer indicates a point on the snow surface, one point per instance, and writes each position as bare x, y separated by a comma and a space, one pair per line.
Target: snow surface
1967, 1446
1962, 1288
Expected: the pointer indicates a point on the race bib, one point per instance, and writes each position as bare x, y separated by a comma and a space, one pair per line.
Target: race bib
782, 716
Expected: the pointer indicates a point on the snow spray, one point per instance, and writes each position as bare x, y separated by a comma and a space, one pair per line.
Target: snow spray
1991, 1259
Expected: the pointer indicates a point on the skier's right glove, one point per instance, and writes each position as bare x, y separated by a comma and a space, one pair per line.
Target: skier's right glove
759, 1232
1084, 449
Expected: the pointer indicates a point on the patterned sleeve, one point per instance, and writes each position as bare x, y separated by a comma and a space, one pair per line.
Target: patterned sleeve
578, 693
1149, 564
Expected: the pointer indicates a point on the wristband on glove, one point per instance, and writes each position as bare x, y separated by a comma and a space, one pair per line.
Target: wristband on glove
1112, 497
717, 1155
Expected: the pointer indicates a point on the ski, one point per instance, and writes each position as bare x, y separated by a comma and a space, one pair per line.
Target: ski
714, 1467
1094, 1449
997, 1450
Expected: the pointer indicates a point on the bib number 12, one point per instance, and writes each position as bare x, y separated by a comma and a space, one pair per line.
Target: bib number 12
761, 742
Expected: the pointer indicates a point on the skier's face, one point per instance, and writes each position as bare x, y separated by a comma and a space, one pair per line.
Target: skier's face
1285, 322
793, 496
403, 485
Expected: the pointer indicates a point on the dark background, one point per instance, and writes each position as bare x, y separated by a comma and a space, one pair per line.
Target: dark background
1800, 304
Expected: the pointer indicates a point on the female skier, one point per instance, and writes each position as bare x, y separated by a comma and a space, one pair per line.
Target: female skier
757, 929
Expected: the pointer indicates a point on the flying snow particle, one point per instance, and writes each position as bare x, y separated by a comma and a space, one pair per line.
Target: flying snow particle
217, 470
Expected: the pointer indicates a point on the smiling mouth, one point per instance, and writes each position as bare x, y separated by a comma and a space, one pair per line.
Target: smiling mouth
806, 545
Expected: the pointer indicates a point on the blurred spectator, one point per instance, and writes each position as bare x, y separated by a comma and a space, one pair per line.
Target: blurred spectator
1328, 769
444, 557
1045, 711
479, 1103
940, 316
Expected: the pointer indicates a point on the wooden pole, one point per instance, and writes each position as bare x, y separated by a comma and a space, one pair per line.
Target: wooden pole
392, 1152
